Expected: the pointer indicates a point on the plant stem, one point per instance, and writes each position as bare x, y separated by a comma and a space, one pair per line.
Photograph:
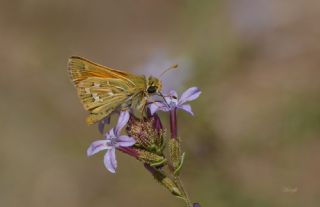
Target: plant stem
184, 192
173, 124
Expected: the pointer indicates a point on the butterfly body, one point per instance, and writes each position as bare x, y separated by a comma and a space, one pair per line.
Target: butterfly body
103, 90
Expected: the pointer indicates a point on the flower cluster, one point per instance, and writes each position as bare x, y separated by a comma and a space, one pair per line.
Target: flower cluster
146, 140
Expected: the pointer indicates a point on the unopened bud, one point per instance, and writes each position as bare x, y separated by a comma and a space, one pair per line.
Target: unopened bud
164, 180
175, 152
151, 158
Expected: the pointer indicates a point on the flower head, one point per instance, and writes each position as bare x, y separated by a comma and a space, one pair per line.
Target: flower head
172, 102
147, 132
112, 140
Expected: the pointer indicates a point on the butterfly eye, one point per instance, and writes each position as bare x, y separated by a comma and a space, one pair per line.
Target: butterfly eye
152, 89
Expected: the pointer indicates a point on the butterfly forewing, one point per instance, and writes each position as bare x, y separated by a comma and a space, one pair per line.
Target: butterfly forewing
80, 69
102, 90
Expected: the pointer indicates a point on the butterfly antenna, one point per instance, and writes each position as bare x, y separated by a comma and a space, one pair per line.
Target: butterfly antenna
166, 70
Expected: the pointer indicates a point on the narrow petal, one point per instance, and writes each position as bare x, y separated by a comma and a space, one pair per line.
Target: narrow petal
122, 121
187, 108
156, 106
101, 127
96, 147
102, 124
110, 161
189, 95
125, 141
110, 134
157, 123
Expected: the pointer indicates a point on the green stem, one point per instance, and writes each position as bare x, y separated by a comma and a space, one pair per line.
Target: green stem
184, 192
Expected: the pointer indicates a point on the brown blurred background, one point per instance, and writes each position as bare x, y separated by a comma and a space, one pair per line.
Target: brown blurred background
254, 139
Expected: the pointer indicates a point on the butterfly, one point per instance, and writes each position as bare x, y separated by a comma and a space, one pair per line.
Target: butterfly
103, 90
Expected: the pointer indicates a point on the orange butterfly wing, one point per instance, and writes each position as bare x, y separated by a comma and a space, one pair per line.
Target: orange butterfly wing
102, 89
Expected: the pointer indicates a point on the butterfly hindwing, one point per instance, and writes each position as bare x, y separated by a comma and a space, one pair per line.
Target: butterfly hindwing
94, 92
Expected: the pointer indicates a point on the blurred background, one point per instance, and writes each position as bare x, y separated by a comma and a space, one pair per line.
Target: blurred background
254, 139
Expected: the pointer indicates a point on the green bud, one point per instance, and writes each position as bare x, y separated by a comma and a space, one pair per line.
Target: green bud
164, 180
175, 152
150, 158
171, 186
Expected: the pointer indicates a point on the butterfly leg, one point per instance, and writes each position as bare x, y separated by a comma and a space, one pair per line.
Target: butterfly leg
143, 104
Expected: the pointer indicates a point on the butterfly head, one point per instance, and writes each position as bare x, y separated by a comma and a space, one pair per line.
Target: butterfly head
154, 85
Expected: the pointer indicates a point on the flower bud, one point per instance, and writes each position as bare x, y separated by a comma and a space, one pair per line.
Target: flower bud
164, 180
151, 158
176, 156
174, 152
144, 156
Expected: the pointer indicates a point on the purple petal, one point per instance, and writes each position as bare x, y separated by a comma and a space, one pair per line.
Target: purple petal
156, 106
101, 127
110, 161
125, 141
173, 93
172, 101
157, 123
102, 124
196, 205
187, 108
110, 134
96, 147
122, 121
189, 95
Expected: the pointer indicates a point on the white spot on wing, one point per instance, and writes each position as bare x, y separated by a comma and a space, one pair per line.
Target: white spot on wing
96, 97
87, 90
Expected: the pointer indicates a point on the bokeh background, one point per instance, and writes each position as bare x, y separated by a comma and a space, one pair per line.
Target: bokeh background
254, 139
